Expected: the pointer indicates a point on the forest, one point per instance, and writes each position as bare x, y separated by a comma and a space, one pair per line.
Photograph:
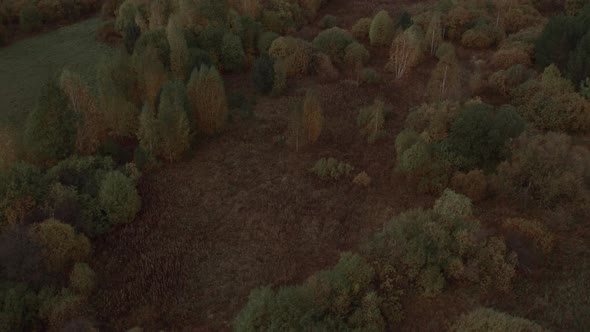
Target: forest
294, 165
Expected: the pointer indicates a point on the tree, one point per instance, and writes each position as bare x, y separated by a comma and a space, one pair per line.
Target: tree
126, 26
233, 57
179, 54
312, 116
333, 42
263, 73
152, 73
82, 279
208, 100
406, 51
173, 124
148, 133
49, 130
444, 81
90, 127
382, 29
119, 198
20, 256
434, 32
61, 247
371, 120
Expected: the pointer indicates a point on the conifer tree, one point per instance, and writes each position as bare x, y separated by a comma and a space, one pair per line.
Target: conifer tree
208, 100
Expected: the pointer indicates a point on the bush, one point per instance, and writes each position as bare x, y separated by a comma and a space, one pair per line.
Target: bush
119, 198
60, 246
369, 76
157, 40
333, 42
361, 28
371, 120
328, 21
263, 73
207, 96
550, 169
295, 55
362, 179
381, 30
30, 19
484, 319
82, 279
233, 57
452, 205
356, 56
507, 57
49, 130
331, 169
473, 184
479, 135
338, 299
551, 103
480, 37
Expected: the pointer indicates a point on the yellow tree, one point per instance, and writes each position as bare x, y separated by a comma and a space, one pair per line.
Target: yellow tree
406, 51
208, 101
90, 128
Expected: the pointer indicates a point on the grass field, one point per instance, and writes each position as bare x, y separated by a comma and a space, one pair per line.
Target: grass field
26, 65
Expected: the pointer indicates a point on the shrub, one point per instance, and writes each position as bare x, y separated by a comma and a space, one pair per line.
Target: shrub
473, 184
30, 19
362, 179
233, 57
263, 73
551, 103
173, 125
479, 135
452, 205
294, 53
456, 22
548, 168
265, 40
480, 37
119, 198
533, 230
381, 30
371, 120
484, 319
313, 119
361, 28
207, 96
505, 58
369, 76
82, 279
49, 130
356, 55
157, 40
333, 42
60, 246
328, 21
331, 169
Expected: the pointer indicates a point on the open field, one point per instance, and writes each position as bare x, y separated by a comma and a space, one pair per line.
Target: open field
27, 64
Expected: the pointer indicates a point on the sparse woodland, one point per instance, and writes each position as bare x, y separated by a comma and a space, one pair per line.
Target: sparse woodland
303, 165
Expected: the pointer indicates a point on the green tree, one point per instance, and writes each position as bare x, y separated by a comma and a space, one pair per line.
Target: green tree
49, 130
173, 121
382, 29
208, 100
119, 198
233, 57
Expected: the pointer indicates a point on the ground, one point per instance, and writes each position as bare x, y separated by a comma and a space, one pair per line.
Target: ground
27, 64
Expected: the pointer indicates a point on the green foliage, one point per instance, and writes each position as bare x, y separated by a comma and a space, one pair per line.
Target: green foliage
22, 189
550, 169
18, 307
157, 40
328, 21
126, 26
49, 131
382, 29
564, 42
485, 319
208, 100
479, 135
369, 76
263, 73
119, 198
331, 169
338, 299
333, 42
233, 57
361, 28
30, 19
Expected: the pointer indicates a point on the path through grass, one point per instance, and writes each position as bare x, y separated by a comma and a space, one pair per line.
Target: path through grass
26, 65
